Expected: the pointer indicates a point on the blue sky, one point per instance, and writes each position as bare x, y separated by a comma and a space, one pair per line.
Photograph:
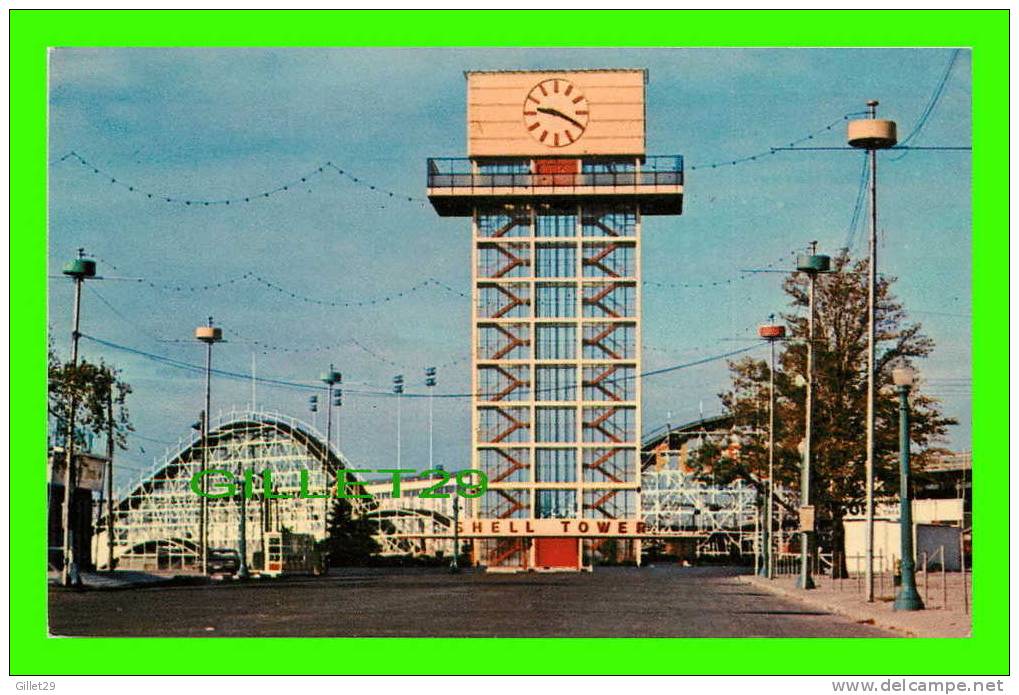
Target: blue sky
211, 124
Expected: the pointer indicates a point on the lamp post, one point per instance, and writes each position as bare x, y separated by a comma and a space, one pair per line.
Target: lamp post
871, 134
811, 264
908, 599
771, 332
209, 335
79, 270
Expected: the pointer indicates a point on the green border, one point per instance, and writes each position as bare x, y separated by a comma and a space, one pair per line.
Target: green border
32, 32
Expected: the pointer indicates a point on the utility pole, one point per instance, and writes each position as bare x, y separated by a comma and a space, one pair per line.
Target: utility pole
430, 382
398, 390
209, 335
110, 445
79, 270
871, 134
811, 264
455, 565
242, 524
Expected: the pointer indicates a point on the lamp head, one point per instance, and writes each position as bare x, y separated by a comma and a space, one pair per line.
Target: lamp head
904, 375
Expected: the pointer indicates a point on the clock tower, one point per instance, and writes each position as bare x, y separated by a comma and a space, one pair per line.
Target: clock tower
556, 185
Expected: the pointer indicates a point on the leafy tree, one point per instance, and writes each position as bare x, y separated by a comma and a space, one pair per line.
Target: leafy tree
88, 387
351, 541
840, 399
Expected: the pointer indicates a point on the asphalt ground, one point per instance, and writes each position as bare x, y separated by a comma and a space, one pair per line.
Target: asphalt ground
663, 601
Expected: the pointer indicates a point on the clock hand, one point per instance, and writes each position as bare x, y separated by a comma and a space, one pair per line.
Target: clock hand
560, 114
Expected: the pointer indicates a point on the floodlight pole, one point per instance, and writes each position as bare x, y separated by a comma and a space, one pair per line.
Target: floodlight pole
398, 391
430, 381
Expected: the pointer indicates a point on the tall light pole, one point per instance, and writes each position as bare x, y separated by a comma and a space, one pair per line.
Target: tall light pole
430, 382
771, 332
209, 335
908, 598
331, 378
79, 270
811, 264
313, 408
337, 403
872, 135
398, 390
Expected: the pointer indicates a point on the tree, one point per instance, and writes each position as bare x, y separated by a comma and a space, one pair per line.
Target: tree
351, 541
840, 393
88, 387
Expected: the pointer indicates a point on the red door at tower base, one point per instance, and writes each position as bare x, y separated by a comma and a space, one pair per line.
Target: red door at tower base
556, 552
556, 172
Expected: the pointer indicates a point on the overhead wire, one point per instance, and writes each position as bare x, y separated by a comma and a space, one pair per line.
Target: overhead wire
932, 104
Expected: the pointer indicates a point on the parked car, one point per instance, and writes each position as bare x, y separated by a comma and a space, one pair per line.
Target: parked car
223, 561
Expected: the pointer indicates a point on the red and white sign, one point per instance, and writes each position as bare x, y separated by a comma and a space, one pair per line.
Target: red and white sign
578, 528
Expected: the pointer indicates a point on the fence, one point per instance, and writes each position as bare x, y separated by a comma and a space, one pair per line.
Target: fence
938, 587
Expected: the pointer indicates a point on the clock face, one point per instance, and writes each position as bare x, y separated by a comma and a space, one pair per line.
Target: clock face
556, 113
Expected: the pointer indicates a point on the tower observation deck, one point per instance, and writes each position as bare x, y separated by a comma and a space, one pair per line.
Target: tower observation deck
556, 184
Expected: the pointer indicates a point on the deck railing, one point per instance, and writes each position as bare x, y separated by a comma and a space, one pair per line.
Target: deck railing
461, 175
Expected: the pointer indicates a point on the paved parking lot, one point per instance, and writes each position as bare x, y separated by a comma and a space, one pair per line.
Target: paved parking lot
610, 602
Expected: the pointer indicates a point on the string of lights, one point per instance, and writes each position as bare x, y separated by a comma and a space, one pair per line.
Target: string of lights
183, 288
743, 275
376, 392
288, 186
774, 150
313, 174
266, 348
307, 299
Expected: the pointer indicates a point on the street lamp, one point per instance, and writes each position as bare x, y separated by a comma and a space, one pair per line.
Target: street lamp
79, 270
811, 264
209, 335
871, 134
771, 332
805, 581
908, 599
